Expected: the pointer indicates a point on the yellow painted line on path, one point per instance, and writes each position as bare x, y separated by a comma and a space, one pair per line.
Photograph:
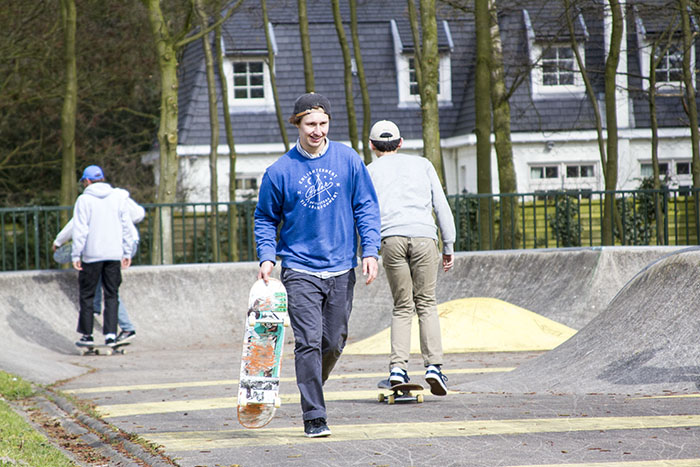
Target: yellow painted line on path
216, 403
227, 439
658, 463
670, 396
226, 382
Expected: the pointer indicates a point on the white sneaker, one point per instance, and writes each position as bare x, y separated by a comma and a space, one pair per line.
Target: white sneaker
398, 376
436, 380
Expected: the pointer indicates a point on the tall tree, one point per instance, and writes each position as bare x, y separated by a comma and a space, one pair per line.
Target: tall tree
228, 128
70, 104
659, 47
427, 61
209, 66
273, 80
482, 20
611, 63
347, 74
507, 182
306, 46
690, 103
364, 91
167, 44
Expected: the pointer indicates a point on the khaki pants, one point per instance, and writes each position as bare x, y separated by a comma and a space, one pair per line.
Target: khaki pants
411, 266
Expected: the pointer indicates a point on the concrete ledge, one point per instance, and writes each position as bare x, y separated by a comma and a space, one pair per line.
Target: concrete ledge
202, 305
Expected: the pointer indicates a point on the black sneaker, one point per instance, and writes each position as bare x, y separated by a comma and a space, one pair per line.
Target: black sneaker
86, 341
436, 380
316, 428
110, 341
125, 336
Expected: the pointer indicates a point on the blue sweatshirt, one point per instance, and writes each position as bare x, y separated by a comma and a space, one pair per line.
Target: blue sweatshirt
321, 204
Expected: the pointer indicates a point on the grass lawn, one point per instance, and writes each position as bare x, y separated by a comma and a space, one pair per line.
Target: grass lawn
20, 444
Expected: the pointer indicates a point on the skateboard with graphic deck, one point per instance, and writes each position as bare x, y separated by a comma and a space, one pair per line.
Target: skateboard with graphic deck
263, 341
102, 349
399, 392
62, 254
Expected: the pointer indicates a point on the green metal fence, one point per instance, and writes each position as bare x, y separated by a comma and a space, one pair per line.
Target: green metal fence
541, 220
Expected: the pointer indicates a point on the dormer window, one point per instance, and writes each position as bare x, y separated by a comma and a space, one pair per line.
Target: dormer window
249, 84
555, 70
558, 66
409, 92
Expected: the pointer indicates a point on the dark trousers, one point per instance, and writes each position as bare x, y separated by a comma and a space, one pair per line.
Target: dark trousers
111, 274
319, 310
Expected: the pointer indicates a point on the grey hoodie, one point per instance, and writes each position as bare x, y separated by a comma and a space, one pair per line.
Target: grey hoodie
102, 227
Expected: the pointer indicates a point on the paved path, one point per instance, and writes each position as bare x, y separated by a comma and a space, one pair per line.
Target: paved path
621, 392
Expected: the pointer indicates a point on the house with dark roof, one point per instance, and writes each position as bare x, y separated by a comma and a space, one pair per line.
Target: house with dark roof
552, 121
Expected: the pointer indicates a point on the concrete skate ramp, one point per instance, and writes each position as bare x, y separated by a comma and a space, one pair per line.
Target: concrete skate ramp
197, 306
647, 341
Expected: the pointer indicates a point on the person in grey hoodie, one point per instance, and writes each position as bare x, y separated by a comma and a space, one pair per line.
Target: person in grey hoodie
136, 213
409, 190
102, 246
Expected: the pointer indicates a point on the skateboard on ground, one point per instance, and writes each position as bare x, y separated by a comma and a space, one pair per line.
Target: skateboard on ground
263, 341
399, 392
102, 349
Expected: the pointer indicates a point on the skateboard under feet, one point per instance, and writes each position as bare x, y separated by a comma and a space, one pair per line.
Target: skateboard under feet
102, 349
399, 393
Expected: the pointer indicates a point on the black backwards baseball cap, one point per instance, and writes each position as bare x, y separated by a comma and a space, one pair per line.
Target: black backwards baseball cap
307, 102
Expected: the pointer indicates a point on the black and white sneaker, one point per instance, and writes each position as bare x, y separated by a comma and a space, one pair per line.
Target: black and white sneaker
316, 428
110, 341
436, 380
125, 336
86, 341
398, 376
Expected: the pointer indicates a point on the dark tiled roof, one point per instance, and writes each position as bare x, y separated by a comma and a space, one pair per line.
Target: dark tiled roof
243, 33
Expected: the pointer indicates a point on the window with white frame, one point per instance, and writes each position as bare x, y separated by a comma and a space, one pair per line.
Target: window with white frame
580, 171
409, 92
246, 187
556, 70
669, 66
675, 172
538, 172
249, 84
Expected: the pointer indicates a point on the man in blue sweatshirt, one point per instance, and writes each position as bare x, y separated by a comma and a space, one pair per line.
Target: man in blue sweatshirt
322, 196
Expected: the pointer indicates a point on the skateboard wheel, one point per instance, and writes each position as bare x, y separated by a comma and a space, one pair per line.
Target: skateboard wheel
286, 321
251, 319
419, 398
391, 400
381, 397
278, 402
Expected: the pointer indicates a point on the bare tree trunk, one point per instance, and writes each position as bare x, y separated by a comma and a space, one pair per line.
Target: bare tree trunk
347, 74
232, 207
507, 182
273, 80
166, 51
611, 63
483, 118
166, 46
306, 46
689, 84
426, 63
366, 110
68, 112
214, 131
